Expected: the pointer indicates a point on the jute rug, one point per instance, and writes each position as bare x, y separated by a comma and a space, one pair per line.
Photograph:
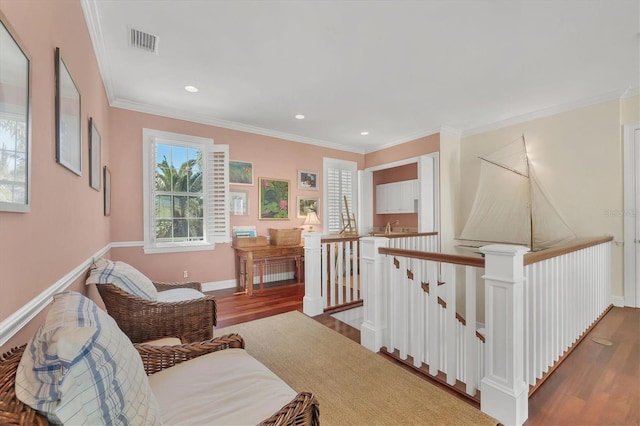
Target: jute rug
353, 385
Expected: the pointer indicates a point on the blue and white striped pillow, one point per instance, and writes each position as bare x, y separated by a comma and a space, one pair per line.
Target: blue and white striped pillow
79, 368
123, 276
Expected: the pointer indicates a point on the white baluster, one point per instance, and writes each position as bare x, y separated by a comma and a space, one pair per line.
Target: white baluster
471, 348
434, 318
449, 278
417, 336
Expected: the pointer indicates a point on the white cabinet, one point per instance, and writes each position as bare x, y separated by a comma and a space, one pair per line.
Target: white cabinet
397, 197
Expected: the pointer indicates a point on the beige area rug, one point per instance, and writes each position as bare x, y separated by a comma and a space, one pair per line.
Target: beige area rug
353, 385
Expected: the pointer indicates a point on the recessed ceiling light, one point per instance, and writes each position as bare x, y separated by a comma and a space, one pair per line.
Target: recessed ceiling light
364, 133
191, 89
299, 116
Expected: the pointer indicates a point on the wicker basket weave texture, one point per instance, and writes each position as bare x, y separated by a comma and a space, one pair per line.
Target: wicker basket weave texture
285, 237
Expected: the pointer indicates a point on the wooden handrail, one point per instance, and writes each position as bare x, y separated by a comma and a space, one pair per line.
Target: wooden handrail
338, 239
403, 234
436, 257
573, 245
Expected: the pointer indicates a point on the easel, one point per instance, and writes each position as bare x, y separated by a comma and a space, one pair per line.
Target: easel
348, 221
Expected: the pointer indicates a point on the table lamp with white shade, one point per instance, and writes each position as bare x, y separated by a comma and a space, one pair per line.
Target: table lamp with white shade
311, 219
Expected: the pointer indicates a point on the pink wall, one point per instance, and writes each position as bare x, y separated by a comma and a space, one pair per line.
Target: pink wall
415, 148
271, 157
65, 225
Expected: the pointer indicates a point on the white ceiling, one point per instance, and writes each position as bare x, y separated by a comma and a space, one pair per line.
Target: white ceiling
397, 69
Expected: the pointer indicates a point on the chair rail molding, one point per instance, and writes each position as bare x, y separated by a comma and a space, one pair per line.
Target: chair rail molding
14, 322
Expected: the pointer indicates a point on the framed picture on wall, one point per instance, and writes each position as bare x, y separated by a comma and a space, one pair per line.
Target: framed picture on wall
68, 128
306, 205
307, 180
240, 173
94, 155
239, 203
274, 199
107, 191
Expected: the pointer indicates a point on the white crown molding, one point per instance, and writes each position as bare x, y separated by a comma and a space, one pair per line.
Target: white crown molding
630, 92
14, 322
405, 139
90, 10
200, 119
570, 106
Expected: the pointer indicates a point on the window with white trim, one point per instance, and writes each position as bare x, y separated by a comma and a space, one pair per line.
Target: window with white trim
185, 192
340, 181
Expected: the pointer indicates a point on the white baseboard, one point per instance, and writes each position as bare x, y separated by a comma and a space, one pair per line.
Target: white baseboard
218, 285
617, 301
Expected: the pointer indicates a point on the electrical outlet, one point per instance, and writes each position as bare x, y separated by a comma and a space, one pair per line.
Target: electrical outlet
185, 274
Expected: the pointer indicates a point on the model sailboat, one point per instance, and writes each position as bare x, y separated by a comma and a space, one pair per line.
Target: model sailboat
511, 206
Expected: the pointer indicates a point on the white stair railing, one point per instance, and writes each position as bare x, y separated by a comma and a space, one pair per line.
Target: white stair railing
537, 306
417, 310
566, 293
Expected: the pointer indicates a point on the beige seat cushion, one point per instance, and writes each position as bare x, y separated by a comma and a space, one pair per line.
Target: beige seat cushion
228, 387
179, 295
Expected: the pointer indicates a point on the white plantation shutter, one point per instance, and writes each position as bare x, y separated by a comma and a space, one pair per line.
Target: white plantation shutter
340, 181
216, 202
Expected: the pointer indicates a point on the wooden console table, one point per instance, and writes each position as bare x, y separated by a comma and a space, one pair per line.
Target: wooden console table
246, 257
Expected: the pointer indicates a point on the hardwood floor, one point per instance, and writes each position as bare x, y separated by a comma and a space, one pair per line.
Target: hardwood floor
596, 385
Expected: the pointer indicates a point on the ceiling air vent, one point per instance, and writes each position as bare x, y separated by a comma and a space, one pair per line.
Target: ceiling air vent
144, 41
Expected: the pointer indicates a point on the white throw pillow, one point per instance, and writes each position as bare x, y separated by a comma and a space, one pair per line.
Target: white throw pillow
80, 369
124, 276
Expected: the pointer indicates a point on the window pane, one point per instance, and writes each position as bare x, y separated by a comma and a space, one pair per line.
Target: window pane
180, 204
196, 230
164, 230
195, 208
163, 206
180, 229
163, 173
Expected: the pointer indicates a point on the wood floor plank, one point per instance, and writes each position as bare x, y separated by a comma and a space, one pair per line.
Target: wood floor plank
595, 385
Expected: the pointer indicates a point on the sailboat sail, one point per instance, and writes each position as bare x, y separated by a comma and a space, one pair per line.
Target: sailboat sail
510, 204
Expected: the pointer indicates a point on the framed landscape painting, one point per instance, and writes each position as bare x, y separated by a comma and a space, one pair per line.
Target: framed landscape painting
274, 199
306, 204
240, 173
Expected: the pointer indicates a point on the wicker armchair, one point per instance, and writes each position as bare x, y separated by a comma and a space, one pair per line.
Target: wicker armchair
144, 320
302, 410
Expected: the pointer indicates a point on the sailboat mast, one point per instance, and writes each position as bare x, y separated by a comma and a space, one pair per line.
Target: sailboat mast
526, 156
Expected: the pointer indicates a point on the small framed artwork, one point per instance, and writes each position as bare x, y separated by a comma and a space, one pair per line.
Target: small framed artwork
239, 203
68, 127
274, 199
240, 173
307, 180
107, 191
306, 205
94, 155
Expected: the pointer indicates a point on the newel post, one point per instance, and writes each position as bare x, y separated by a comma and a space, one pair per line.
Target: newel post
504, 390
312, 302
372, 287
